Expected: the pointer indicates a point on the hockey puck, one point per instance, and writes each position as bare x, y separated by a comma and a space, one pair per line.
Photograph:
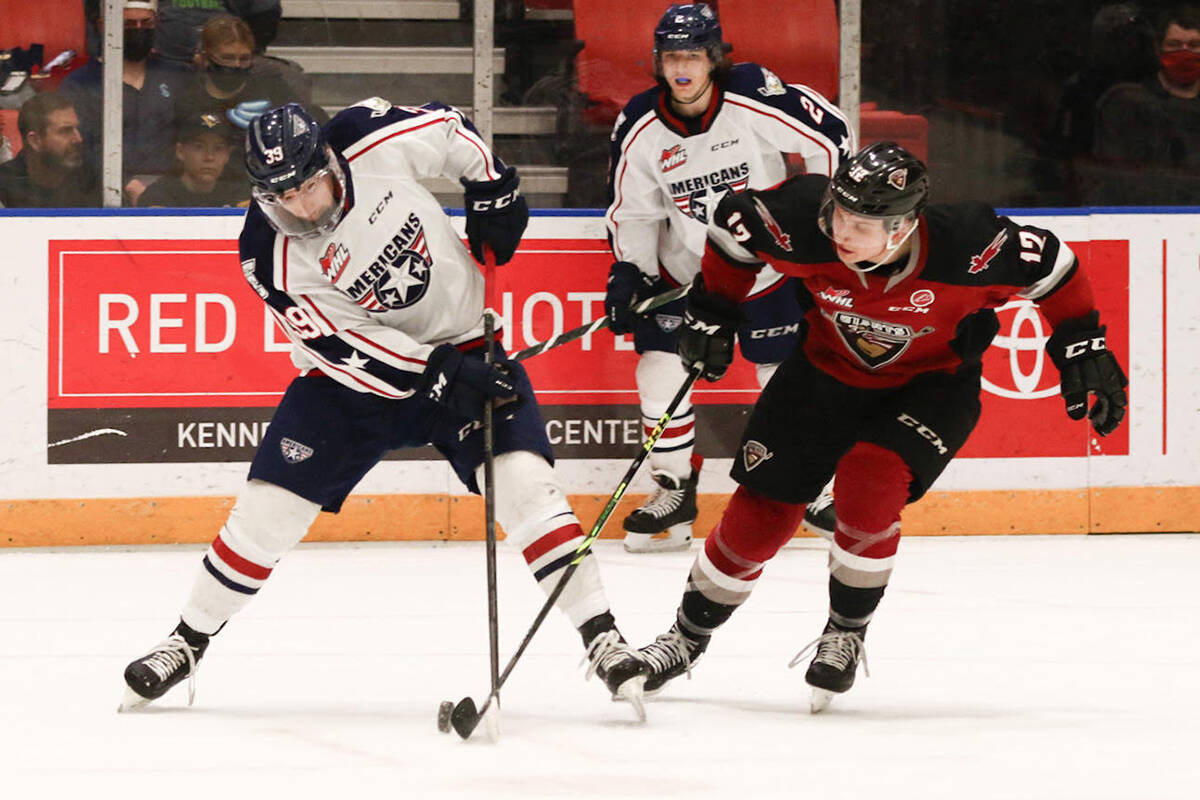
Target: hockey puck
444, 711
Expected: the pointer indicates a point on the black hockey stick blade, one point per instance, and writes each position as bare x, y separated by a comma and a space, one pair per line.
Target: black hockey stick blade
465, 717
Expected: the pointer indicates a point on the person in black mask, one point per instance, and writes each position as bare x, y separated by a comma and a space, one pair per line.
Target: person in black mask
150, 88
227, 84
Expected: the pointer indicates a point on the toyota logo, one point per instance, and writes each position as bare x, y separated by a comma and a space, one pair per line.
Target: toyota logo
1024, 334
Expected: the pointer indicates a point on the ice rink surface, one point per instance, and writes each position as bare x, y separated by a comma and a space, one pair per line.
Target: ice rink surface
1020, 667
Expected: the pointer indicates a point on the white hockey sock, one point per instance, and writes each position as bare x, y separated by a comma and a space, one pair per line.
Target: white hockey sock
659, 375
536, 518
265, 523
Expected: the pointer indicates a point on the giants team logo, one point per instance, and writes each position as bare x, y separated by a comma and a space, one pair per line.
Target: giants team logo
336, 257
399, 275
873, 342
294, 452
898, 178
754, 453
981, 262
672, 157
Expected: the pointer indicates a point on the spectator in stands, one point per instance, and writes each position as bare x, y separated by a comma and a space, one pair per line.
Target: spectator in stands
180, 22
150, 86
202, 148
51, 171
226, 84
1148, 134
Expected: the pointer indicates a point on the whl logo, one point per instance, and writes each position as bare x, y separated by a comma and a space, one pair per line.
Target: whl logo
672, 157
336, 257
838, 297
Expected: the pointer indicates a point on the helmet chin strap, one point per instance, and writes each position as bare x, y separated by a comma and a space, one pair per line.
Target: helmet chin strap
863, 267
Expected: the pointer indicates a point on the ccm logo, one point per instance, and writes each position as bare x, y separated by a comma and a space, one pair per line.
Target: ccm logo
778, 330
702, 327
1076, 349
495, 203
925, 432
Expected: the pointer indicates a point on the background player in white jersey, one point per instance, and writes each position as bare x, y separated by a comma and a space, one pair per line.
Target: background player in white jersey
708, 128
884, 389
360, 266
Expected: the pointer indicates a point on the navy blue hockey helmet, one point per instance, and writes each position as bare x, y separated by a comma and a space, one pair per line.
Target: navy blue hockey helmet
689, 26
286, 152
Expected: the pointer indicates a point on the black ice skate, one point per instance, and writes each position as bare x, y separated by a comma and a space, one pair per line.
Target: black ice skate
620, 667
664, 521
833, 667
670, 655
169, 662
819, 517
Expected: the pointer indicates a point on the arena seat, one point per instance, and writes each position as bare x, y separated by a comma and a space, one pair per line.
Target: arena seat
8, 126
616, 61
798, 40
58, 25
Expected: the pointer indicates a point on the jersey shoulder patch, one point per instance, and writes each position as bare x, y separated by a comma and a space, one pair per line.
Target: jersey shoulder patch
755, 81
367, 116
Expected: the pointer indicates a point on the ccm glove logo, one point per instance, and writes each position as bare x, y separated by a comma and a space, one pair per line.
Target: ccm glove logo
484, 206
1077, 349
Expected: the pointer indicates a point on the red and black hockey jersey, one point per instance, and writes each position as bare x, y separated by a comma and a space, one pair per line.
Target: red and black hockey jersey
933, 312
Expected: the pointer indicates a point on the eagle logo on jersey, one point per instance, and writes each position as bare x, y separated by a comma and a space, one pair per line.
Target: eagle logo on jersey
783, 240
672, 157
399, 275
772, 86
982, 261
874, 342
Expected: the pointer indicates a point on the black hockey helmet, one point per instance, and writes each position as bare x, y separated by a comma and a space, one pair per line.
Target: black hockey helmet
285, 149
881, 180
689, 26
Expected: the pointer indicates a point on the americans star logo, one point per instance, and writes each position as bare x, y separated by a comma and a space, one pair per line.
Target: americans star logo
844, 145
411, 273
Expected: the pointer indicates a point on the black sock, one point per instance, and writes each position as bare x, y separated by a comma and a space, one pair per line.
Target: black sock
850, 607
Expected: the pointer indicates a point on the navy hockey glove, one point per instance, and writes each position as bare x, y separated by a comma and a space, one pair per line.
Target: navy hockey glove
626, 285
707, 332
462, 384
1086, 366
496, 215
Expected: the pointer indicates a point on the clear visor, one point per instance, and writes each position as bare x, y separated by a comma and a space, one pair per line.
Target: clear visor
307, 211
893, 226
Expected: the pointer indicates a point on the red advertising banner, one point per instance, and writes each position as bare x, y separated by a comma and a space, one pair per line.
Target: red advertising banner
141, 330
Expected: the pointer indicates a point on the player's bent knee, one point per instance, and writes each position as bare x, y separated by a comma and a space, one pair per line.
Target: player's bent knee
268, 521
527, 493
658, 377
871, 487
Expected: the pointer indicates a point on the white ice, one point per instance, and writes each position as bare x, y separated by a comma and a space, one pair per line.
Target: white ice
1022, 667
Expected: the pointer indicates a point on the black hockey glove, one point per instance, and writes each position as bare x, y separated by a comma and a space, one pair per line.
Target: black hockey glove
626, 285
707, 332
496, 215
1086, 366
462, 384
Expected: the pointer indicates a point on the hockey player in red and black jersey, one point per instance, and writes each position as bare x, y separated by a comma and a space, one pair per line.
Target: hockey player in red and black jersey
709, 128
361, 268
882, 391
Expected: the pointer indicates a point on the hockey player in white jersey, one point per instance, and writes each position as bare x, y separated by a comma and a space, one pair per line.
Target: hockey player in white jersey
709, 127
362, 269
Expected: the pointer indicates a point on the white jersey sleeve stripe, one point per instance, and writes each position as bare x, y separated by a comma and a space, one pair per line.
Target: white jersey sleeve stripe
366, 340
1061, 269
783, 119
372, 142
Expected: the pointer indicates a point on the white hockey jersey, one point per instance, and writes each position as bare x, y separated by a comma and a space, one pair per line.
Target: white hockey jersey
666, 172
367, 304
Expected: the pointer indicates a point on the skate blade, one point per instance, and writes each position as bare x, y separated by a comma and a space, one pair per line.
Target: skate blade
631, 691
819, 700
132, 701
676, 537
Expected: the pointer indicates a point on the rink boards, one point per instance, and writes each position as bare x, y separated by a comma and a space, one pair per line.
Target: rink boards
142, 371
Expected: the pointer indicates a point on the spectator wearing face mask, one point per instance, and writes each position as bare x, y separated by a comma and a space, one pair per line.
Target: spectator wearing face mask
202, 147
1147, 142
225, 82
150, 86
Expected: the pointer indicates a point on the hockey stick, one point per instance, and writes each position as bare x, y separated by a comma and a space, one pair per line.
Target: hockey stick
465, 716
649, 304
489, 472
